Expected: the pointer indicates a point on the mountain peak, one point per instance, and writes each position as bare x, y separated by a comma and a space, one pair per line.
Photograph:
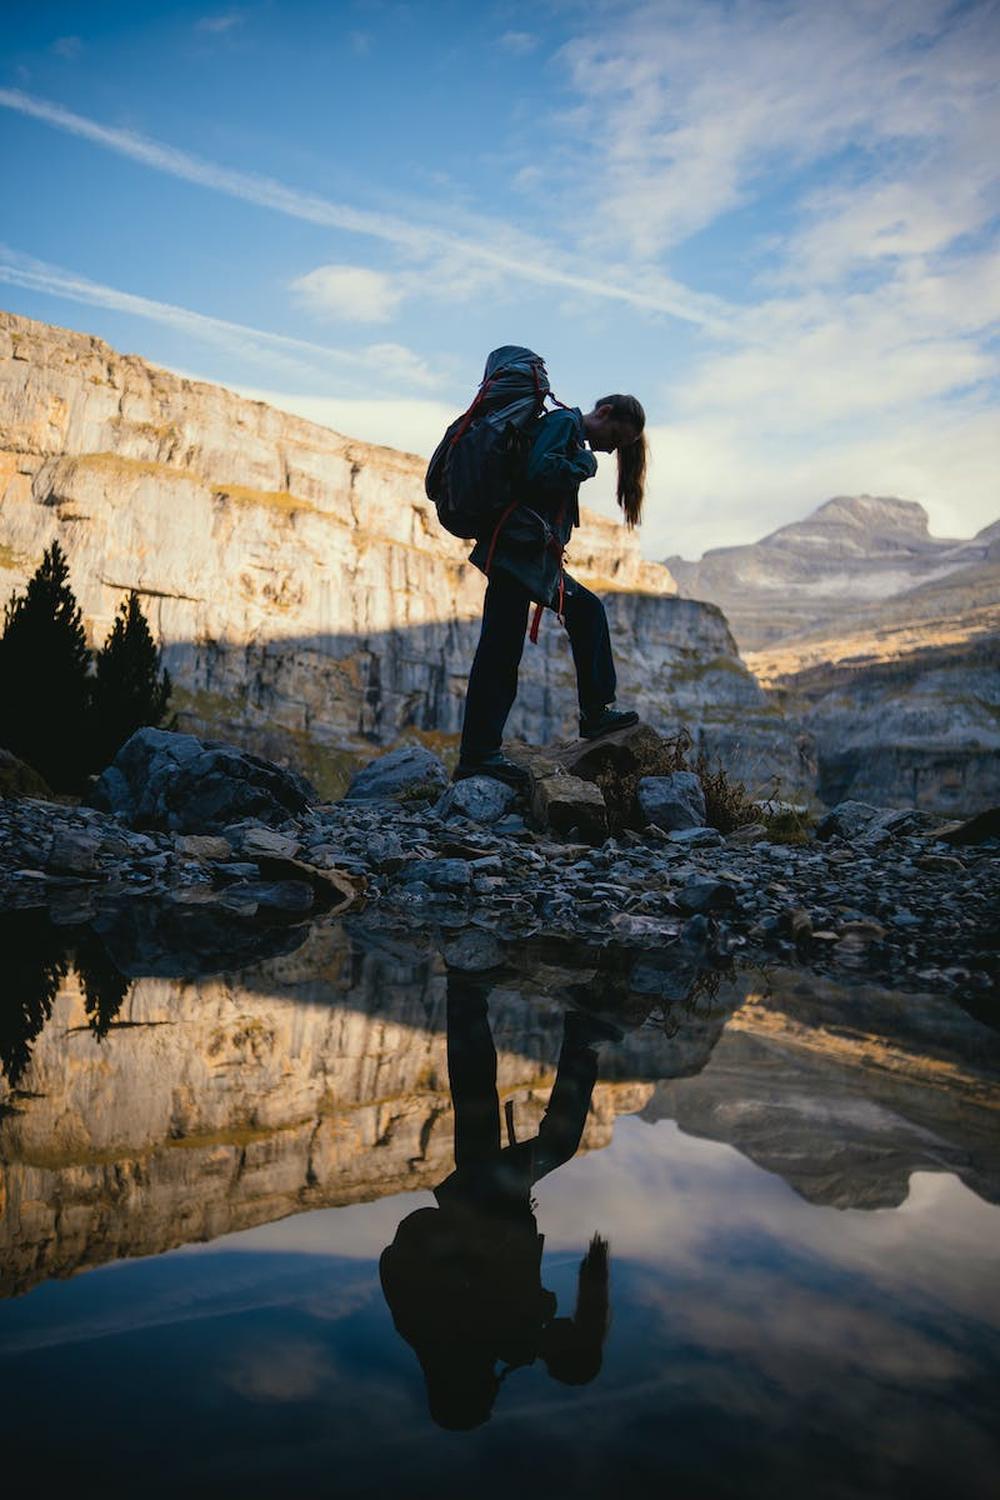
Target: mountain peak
873, 512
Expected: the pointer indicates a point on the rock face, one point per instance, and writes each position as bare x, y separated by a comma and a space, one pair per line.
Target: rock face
883, 641
307, 599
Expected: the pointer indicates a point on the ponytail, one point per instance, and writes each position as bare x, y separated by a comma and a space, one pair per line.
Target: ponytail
631, 457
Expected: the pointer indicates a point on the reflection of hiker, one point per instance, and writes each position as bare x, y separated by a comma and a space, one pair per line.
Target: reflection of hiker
522, 559
463, 1280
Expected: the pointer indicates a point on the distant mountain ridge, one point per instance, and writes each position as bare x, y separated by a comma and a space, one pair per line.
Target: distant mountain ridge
853, 549
882, 639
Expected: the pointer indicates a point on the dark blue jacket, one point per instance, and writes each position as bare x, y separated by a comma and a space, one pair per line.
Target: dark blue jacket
558, 463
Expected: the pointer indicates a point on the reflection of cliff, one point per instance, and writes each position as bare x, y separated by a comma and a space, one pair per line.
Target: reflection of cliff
845, 1093
320, 1077
306, 594
211, 1107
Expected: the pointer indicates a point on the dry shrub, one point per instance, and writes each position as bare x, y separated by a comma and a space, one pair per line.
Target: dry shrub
727, 803
621, 788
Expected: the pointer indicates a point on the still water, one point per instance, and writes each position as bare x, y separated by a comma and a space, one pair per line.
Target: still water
367, 1213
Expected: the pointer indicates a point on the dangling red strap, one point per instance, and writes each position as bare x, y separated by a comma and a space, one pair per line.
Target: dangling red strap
477, 402
536, 620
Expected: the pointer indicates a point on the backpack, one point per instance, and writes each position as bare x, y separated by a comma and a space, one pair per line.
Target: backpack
478, 464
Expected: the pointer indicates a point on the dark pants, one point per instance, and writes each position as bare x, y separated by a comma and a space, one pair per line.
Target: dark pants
482, 1167
493, 679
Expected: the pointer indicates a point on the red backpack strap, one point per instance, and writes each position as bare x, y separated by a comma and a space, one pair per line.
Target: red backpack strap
467, 419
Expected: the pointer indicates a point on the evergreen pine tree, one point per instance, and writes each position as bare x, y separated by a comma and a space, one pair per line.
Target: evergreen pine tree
44, 676
104, 986
130, 689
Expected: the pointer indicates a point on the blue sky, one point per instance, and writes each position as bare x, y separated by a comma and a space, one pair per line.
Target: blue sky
775, 221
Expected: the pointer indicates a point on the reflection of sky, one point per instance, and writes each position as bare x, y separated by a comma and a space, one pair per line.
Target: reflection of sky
759, 1345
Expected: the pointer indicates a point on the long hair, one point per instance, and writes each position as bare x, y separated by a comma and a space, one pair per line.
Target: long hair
631, 456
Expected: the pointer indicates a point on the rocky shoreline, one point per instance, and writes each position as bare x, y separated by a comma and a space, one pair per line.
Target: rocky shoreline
886, 893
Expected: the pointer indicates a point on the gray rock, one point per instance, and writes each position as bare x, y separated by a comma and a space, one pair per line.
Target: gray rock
697, 838
438, 874
264, 841
481, 799
202, 846
292, 896
403, 773
472, 950
672, 802
74, 852
567, 804
703, 896
848, 820
186, 785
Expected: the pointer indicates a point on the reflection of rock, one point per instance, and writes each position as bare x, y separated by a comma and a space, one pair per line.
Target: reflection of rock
845, 1093
214, 1106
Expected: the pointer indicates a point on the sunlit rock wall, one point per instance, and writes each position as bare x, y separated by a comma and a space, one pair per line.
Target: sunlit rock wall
306, 596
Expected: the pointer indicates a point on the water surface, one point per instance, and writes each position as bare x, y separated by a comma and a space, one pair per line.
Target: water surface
362, 1212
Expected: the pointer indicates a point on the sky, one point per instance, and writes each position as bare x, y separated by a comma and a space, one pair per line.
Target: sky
776, 222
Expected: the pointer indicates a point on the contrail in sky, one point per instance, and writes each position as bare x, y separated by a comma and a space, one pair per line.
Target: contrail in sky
392, 361
535, 267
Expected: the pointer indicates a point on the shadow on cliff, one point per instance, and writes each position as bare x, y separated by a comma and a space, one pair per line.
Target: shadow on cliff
304, 699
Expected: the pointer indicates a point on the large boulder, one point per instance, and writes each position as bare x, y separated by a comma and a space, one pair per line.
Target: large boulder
182, 784
672, 802
408, 773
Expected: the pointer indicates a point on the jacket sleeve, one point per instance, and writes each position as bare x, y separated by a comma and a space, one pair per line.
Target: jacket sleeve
558, 459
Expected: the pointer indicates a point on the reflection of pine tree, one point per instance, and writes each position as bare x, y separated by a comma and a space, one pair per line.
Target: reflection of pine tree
34, 966
104, 987
130, 689
44, 665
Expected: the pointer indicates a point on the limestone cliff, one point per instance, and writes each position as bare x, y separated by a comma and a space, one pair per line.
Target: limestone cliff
306, 597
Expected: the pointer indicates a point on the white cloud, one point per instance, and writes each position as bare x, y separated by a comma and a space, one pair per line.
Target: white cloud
219, 25
351, 293
383, 364
693, 105
519, 43
413, 426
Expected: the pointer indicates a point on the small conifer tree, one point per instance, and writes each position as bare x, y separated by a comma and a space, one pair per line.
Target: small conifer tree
44, 676
130, 689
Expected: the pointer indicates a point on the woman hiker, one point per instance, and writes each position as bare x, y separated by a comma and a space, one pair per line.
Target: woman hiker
522, 561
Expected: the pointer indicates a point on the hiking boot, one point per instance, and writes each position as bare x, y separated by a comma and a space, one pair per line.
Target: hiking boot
496, 765
605, 721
